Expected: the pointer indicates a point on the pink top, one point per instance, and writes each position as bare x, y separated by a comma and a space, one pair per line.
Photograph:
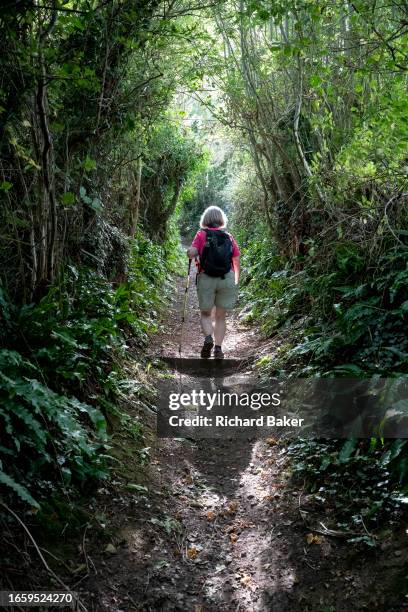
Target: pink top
200, 238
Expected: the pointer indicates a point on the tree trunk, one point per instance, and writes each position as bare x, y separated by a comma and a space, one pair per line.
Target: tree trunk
135, 201
47, 213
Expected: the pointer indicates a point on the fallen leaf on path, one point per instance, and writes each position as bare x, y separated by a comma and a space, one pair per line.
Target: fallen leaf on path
110, 549
192, 552
271, 441
241, 524
312, 538
232, 508
196, 504
326, 548
135, 487
162, 563
211, 516
233, 538
246, 580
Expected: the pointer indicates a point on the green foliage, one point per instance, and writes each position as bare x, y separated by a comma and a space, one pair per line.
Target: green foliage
111, 78
169, 175
69, 346
171, 526
272, 294
359, 480
208, 191
364, 327
345, 319
48, 436
17, 488
148, 270
77, 292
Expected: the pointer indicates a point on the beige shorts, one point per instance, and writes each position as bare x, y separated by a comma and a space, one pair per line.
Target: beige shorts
221, 292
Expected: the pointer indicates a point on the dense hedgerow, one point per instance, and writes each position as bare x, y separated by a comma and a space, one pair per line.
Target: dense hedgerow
57, 363
346, 317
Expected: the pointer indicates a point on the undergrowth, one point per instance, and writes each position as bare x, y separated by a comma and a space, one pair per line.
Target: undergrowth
342, 315
346, 318
357, 483
61, 372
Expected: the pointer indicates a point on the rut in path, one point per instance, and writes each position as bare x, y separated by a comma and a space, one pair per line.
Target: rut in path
223, 528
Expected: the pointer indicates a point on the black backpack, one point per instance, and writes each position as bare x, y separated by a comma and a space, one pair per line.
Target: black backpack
216, 258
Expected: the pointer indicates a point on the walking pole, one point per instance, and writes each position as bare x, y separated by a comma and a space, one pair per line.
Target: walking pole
185, 305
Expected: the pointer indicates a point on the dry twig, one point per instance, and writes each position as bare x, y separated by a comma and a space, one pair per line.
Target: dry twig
49, 570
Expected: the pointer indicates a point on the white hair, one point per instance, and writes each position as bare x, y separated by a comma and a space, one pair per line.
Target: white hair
213, 216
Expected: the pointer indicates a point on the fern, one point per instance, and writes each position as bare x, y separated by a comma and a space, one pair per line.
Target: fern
21, 491
48, 433
73, 339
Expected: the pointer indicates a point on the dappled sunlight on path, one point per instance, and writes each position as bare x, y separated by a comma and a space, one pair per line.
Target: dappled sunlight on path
220, 526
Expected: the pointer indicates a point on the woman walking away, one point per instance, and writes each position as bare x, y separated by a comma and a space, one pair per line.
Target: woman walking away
218, 276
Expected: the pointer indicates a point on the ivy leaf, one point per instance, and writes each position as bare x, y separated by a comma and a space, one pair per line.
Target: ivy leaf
84, 197
325, 463
347, 450
6, 185
68, 198
89, 164
96, 205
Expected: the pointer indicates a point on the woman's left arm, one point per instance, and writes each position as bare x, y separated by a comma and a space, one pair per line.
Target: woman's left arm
237, 268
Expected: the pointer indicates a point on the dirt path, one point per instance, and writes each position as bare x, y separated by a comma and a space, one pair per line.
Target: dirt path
221, 527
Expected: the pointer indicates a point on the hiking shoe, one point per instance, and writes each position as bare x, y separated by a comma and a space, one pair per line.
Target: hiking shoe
207, 348
218, 354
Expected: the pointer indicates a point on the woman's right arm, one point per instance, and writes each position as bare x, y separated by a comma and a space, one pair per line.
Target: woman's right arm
193, 250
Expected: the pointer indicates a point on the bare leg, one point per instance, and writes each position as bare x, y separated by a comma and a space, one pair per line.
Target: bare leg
220, 325
206, 323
